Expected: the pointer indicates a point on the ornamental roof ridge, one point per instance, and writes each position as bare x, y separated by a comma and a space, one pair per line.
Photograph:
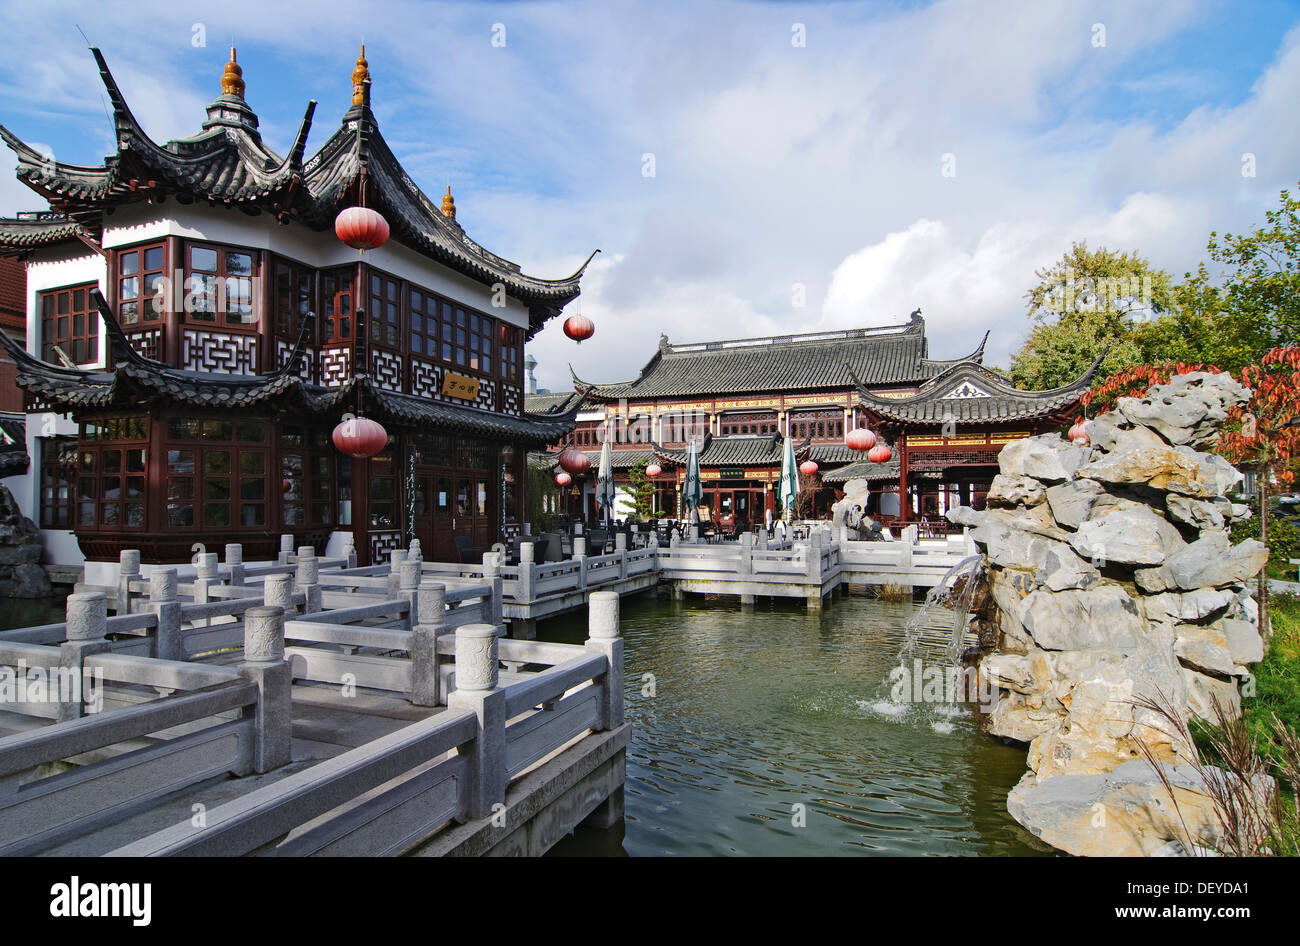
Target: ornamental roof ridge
669, 349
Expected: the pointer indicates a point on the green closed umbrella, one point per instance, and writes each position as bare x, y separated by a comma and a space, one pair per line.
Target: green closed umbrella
789, 488
692, 492
605, 482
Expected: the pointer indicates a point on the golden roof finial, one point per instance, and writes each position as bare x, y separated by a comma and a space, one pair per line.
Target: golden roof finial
448, 205
232, 80
361, 80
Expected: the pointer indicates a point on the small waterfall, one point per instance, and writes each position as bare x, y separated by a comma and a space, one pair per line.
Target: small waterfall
923, 633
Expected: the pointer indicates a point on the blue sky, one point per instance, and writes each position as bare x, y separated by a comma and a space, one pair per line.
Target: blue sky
777, 166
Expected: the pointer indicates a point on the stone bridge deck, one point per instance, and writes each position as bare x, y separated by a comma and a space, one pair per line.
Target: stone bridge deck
290, 709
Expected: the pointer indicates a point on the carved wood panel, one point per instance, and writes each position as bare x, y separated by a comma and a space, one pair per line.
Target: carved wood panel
219, 352
335, 366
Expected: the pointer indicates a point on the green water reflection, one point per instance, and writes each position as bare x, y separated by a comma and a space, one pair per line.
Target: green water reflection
758, 711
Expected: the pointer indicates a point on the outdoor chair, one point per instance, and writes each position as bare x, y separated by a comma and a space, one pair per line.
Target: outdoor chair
466, 553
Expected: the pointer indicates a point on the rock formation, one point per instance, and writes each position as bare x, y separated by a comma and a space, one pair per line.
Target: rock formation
1113, 581
21, 575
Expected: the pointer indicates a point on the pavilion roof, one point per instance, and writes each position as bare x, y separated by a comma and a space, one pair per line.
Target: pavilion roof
228, 164
970, 393
895, 354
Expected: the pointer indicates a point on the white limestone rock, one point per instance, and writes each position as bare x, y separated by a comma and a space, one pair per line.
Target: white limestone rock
1127, 535
1209, 562
1046, 457
1141, 818
1071, 502
1012, 491
1103, 617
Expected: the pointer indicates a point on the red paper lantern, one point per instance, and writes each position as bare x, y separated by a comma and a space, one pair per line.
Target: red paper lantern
361, 228
879, 453
575, 461
360, 437
1078, 433
563, 479
860, 439
808, 467
579, 328
654, 469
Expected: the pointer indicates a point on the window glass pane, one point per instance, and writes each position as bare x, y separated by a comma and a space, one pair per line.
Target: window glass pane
180, 514
153, 258
128, 263
216, 515
239, 264
216, 461
201, 257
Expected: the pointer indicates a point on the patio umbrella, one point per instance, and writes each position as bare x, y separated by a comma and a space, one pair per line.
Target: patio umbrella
789, 488
692, 492
605, 482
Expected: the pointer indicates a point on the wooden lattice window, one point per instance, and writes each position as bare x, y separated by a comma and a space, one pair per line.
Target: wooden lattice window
141, 284
424, 324
58, 481
216, 473
112, 463
511, 353
338, 319
306, 480
757, 423
70, 322
384, 310
219, 284
295, 290
466, 338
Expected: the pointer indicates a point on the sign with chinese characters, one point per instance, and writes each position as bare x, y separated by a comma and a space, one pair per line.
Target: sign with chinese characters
457, 385
731, 473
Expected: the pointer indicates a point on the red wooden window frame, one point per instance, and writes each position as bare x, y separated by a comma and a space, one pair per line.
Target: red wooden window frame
112, 474
70, 320
141, 274
240, 308
338, 317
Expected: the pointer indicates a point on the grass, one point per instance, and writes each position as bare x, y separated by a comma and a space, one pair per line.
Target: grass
890, 592
1277, 676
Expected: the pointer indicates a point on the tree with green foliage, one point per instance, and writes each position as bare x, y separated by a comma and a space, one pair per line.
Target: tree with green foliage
1260, 294
1087, 303
642, 489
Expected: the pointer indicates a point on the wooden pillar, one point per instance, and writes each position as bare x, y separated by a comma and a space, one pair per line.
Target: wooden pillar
904, 503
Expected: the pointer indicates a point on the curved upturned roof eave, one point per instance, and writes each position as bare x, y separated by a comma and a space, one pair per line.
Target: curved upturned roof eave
1033, 404
331, 173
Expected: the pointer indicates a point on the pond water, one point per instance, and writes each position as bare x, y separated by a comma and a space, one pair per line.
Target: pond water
31, 612
758, 711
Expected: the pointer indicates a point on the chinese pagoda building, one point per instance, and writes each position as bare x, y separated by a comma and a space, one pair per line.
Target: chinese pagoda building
944, 421
196, 331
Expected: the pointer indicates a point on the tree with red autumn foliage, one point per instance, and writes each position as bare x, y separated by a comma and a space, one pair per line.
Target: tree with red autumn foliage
1265, 434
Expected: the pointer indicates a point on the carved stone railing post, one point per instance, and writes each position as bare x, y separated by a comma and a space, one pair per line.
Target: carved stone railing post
235, 564
286, 549
87, 618
527, 572
128, 571
307, 579
477, 691
580, 556
414, 552
431, 614
164, 603
206, 574
408, 580
603, 637
350, 550
492, 576
277, 592
620, 549
265, 665
395, 559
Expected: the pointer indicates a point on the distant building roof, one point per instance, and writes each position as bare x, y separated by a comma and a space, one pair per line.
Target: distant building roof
896, 354
969, 393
